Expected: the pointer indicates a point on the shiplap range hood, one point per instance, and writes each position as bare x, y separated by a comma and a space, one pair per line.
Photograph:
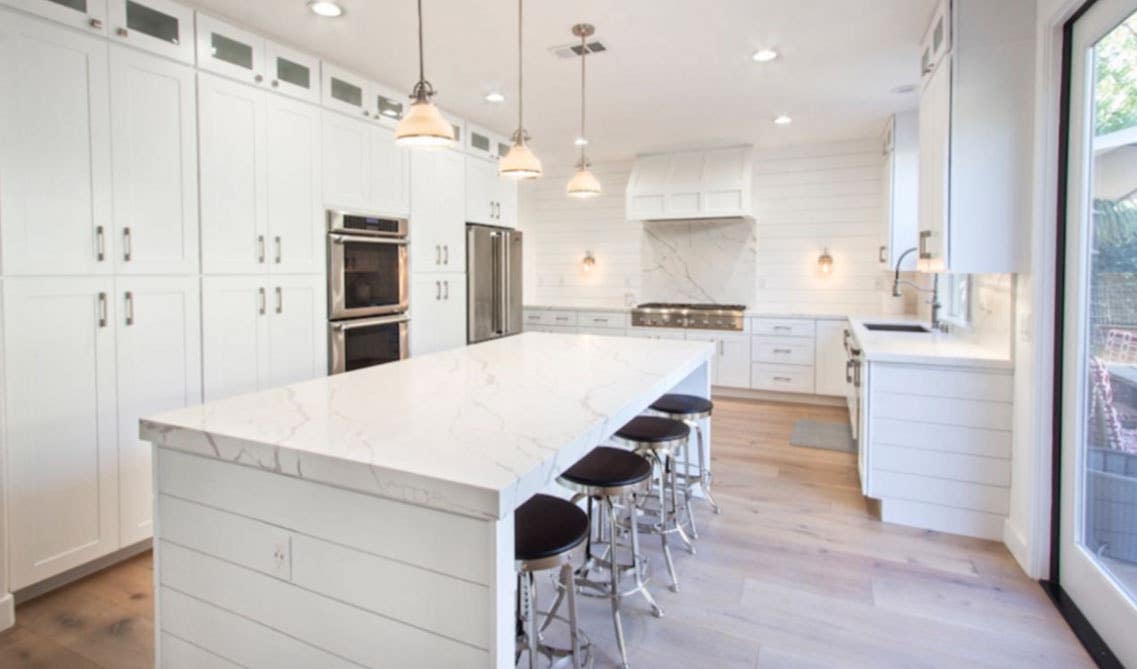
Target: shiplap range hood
686, 185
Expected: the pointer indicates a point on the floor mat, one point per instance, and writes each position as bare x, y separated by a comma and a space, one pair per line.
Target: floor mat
818, 434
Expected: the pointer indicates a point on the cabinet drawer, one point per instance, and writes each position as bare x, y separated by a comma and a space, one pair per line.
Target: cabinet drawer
602, 319
782, 350
544, 317
783, 327
781, 378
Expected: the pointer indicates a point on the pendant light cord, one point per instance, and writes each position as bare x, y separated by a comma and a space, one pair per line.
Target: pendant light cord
583, 136
421, 68
520, 80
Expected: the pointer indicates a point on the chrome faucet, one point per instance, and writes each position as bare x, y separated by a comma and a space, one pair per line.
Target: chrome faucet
935, 291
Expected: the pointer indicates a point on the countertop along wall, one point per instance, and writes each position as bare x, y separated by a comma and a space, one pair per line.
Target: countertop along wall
806, 198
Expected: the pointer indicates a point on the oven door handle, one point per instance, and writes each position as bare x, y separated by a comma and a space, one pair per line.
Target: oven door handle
342, 326
340, 239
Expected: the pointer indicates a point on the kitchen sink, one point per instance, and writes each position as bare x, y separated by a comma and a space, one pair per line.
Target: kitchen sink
896, 327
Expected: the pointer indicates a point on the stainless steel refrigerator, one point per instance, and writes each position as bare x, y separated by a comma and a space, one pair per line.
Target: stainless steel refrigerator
493, 262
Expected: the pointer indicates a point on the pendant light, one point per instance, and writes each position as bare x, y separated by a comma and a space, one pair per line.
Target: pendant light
583, 184
423, 126
519, 163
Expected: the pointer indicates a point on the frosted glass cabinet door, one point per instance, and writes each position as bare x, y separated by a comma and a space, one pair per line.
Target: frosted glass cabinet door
88, 15
55, 165
161, 26
59, 427
230, 51
292, 73
155, 164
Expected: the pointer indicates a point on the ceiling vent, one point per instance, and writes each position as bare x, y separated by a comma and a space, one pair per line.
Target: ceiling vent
574, 50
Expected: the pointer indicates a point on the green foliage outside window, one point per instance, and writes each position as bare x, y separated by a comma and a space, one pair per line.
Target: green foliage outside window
1116, 79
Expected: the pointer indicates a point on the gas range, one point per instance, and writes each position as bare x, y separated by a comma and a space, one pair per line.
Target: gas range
691, 316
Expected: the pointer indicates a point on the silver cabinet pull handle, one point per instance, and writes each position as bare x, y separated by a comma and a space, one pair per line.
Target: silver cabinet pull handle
446, 285
925, 235
122, 32
276, 240
100, 244
261, 295
446, 254
599, 320
102, 310
437, 254
880, 257
96, 24
783, 350
783, 379
129, 302
783, 328
126, 245
279, 300
437, 290
260, 248
722, 347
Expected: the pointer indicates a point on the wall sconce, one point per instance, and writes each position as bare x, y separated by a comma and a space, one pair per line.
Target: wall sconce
589, 261
825, 262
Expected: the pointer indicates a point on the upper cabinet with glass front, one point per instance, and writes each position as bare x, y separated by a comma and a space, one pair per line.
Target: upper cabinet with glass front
346, 91
937, 39
230, 51
160, 26
88, 15
292, 73
389, 104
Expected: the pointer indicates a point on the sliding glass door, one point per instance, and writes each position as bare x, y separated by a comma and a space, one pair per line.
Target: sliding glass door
1097, 547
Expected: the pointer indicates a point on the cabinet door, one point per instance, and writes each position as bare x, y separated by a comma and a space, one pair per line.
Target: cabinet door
438, 211
233, 331
293, 152
438, 312
935, 138
481, 191
647, 194
59, 390
55, 164
830, 358
297, 334
506, 202
230, 51
685, 184
154, 130
158, 344
888, 175
480, 142
234, 220
937, 39
726, 186
345, 91
390, 174
386, 105
292, 72
346, 162
88, 15
161, 26
733, 361
451, 325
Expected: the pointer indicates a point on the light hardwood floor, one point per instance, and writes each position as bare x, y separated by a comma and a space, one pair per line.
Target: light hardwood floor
796, 572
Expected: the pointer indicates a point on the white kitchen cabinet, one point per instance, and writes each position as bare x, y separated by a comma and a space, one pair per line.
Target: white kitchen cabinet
161, 26
976, 163
345, 91
363, 169
230, 51
647, 189
387, 105
901, 164
829, 358
60, 425
55, 166
259, 332
691, 184
438, 312
438, 212
294, 207
153, 138
87, 15
292, 72
506, 202
158, 350
731, 366
490, 199
482, 143
937, 39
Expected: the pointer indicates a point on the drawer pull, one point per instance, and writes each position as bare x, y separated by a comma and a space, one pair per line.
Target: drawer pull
783, 350
783, 328
783, 379
599, 320
562, 318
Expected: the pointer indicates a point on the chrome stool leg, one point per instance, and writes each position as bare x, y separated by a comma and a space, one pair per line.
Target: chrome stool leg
704, 479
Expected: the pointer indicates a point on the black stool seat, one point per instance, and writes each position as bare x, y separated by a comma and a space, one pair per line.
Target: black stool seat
607, 467
653, 430
545, 526
682, 405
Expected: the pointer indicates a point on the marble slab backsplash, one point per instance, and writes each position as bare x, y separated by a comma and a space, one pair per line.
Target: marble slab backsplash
699, 261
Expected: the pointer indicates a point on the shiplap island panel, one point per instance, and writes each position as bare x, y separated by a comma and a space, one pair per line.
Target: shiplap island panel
404, 477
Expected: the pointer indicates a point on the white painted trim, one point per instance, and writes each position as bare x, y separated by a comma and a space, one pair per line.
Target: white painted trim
7, 611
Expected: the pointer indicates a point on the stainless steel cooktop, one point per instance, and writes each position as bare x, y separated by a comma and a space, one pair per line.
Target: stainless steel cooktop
704, 316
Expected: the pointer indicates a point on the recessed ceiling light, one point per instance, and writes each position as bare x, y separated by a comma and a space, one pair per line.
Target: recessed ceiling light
782, 120
325, 8
764, 55
580, 141
494, 97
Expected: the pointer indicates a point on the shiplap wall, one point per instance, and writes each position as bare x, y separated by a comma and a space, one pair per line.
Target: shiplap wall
807, 198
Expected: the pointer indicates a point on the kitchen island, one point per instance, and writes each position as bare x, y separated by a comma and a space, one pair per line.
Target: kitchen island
367, 518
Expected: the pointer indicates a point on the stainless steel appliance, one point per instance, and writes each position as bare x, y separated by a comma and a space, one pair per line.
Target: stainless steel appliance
493, 257
367, 265
364, 342
854, 399
690, 316
367, 290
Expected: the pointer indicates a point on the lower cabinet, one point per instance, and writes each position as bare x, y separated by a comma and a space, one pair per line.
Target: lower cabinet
84, 358
438, 312
829, 358
731, 367
261, 331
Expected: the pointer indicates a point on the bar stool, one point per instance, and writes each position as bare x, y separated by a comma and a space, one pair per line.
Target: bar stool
691, 409
547, 534
609, 477
660, 440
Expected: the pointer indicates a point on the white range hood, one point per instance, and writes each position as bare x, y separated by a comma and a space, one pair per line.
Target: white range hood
691, 185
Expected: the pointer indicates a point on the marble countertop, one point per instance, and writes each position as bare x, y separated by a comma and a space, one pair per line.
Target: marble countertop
474, 430
935, 348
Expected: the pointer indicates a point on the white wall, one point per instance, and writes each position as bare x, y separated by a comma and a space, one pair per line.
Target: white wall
807, 198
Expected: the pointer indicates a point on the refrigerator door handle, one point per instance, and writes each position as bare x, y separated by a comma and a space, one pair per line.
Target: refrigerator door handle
503, 294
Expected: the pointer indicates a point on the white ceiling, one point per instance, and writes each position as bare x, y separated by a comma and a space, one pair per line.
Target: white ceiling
677, 73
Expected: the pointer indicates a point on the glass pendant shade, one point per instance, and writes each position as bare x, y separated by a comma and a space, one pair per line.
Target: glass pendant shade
583, 184
424, 126
519, 163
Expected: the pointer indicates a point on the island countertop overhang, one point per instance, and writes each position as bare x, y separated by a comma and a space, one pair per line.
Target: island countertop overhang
475, 430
